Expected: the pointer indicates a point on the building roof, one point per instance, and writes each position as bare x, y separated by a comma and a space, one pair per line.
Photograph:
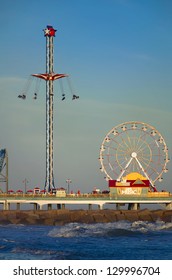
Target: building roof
134, 176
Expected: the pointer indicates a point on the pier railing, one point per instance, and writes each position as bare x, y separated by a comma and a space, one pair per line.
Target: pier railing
149, 196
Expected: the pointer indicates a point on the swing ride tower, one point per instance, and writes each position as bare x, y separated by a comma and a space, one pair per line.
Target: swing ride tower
49, 77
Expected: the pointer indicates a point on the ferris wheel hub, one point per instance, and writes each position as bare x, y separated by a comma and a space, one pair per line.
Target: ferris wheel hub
134, 154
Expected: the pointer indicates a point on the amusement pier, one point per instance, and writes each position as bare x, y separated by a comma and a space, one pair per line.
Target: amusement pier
133, 158
38, 202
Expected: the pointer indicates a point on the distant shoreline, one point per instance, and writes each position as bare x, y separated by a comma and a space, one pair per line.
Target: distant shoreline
61, 217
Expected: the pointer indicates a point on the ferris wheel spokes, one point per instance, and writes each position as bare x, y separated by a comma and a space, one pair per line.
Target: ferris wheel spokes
125, 168
144, 172
134, 157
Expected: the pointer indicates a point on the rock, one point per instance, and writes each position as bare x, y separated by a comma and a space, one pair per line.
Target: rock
77, 215
144, 215
110, 215
156, 215
14, 221
167, 216
61, 217
87, 218
131, 216
120, 216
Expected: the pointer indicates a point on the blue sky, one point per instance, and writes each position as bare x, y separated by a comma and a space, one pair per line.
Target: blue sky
118, 55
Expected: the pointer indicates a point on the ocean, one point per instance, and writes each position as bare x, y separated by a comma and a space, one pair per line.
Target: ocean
103, 241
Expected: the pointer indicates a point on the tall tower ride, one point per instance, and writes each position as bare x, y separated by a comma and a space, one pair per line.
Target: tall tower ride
49, 77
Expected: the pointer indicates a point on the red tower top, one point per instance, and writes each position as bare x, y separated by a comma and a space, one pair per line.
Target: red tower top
49, 31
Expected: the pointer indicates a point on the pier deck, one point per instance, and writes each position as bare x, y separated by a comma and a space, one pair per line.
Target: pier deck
44, 200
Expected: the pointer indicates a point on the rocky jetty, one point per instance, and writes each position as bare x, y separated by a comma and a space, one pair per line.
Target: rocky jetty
61, 217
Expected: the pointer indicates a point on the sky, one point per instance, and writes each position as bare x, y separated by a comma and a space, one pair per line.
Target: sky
118, 55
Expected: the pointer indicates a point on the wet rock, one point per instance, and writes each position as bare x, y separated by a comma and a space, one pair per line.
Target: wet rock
48, 222
111, 215
98, 218
61, 217
77, 215
167, 216
131, 216
87, 218
14, 221
145, 215
156, 215
120, 216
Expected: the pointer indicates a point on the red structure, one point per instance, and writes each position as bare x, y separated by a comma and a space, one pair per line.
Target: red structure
134, 184
129, 183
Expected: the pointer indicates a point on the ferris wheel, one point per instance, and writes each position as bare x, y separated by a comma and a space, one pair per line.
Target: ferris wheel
134, 147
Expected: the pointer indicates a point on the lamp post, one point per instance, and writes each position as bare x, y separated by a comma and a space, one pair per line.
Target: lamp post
25, 181
68, 181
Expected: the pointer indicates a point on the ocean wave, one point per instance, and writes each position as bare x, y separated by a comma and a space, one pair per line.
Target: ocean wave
37, 253
157, 226
32, 251
121, 228
8, 240
11, 225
